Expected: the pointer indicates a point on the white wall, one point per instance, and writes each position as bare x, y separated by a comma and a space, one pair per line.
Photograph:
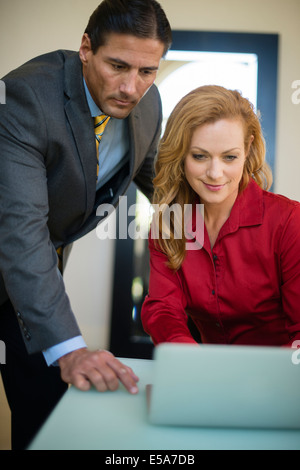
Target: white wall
32, 27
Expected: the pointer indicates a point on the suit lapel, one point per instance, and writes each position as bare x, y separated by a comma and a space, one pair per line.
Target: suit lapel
81, 123
136, 143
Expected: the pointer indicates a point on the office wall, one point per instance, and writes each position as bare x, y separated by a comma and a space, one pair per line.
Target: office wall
32, 27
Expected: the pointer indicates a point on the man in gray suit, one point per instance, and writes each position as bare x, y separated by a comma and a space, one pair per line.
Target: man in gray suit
50, 189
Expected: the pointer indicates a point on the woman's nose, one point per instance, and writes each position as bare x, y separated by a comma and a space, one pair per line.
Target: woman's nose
214, 170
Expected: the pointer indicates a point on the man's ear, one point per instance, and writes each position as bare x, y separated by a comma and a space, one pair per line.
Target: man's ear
85, 48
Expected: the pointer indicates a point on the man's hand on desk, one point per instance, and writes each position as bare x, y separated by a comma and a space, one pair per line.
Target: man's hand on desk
83, 368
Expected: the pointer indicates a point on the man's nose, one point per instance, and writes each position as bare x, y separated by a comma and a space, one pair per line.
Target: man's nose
129, 83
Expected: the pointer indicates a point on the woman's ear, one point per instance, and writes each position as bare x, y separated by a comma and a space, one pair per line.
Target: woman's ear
249, 145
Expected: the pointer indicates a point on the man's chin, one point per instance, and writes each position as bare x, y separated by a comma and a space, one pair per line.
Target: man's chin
120, 113
117, 109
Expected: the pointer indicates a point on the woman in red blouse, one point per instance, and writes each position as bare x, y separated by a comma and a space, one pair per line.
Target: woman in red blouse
243, 285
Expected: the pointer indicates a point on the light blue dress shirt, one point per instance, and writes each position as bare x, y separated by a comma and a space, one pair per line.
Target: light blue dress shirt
113, 150
113, 154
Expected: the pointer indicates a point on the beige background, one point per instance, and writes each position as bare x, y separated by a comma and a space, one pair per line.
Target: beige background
32, 27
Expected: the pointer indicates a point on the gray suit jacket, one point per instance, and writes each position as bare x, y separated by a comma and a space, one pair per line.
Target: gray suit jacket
47, 185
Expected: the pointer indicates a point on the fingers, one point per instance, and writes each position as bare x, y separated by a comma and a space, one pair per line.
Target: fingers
114, 371
81, 382
101, 369
125, 375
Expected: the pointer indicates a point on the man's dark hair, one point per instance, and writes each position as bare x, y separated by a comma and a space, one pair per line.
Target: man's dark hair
140, 18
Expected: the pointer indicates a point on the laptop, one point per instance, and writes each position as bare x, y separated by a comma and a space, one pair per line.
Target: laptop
224, 386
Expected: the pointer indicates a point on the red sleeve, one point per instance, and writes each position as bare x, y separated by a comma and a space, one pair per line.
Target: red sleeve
163, 312
290, 273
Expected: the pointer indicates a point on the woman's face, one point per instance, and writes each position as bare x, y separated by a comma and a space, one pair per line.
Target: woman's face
215, 162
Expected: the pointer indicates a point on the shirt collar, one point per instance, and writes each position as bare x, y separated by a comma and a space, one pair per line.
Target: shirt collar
247, 210
250, 203
95, 111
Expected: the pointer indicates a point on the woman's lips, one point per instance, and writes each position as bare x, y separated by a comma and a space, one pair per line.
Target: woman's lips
214, 187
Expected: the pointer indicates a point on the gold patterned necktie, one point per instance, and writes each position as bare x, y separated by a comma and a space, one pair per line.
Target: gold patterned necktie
59, 252
100, 123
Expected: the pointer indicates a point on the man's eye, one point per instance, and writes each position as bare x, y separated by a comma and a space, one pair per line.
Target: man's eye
118, 66
149, 73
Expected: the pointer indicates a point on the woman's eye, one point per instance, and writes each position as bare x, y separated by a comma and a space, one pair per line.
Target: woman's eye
230, 158
198, 156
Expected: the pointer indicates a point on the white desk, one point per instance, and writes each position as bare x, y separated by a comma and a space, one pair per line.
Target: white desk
118, 421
